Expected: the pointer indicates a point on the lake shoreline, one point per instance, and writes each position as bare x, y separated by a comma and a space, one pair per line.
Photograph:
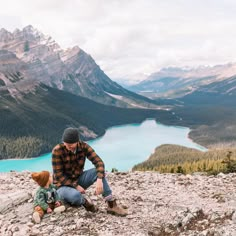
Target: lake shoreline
196, 134
119, 142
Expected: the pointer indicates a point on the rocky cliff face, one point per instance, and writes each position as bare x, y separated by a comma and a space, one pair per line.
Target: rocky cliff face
39, 59
18, 77
158, 204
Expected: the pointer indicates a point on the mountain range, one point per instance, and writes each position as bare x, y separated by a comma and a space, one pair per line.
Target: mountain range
28, 57
173, 82
201, 98
44, 89
210, 112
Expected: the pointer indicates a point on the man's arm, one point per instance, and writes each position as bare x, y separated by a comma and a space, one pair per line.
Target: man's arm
57, 166
96, 160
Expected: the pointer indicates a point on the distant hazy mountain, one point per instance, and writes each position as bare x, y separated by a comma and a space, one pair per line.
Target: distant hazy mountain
28, 57
177, 82
210, 111
217, 93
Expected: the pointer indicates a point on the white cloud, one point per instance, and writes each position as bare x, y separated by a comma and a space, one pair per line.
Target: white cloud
131, 38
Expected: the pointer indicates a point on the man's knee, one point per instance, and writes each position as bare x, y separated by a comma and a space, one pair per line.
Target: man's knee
89, 178
94, 173
70, 195
75, 198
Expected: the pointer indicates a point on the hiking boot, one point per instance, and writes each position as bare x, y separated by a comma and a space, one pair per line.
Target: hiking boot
36, 217
89, 206
59, 209
114, 209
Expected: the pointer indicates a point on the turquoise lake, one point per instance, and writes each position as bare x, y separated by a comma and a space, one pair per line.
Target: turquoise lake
121, 147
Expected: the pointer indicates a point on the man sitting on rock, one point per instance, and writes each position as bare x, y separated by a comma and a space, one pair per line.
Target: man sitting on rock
68, 160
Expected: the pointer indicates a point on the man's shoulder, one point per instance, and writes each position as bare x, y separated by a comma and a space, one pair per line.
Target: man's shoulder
58, 147
83, 144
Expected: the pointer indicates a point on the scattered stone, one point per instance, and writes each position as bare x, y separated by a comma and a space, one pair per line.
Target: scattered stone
158, 205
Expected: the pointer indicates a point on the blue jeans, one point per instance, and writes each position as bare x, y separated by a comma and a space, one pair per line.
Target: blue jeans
86, 179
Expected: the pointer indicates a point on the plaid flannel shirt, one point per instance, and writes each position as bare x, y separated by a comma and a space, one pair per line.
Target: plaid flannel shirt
67, 166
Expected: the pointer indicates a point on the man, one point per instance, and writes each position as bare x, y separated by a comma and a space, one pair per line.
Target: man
68, 159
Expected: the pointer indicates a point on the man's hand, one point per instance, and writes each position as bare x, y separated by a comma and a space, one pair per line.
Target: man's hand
80, 189
49, 210
57, 204
99, 186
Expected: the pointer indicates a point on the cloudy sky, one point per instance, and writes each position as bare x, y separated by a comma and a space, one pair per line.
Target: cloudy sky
132, 39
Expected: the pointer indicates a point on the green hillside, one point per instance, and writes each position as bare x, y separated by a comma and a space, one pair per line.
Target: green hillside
33, 124
178, 159
211, 116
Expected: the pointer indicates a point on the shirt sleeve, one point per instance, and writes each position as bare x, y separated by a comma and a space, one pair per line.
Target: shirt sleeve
58, 170
96, 160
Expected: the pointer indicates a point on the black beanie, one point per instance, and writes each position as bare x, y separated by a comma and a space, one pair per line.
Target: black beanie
70, 135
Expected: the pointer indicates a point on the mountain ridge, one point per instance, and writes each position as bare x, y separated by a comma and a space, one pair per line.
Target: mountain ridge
71, 70
44, 113
174, 82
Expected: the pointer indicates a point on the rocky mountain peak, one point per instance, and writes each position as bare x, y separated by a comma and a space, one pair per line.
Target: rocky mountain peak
31, 33
2, 30
69, 53
72, 70
5, 35
29, 28
27, 33
16, 31
21, 41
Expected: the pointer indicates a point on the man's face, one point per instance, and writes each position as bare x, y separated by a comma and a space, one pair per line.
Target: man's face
70, 146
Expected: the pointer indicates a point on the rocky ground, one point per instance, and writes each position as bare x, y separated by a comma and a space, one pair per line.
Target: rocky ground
158, 205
